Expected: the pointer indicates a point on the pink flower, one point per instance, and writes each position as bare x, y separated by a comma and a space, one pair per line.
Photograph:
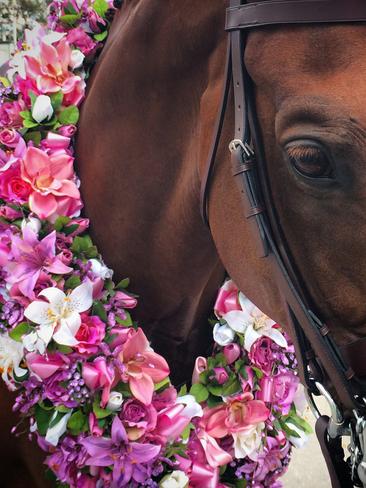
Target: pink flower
9, 114
94, 428
80, 39
99, 375
67, 130
143, 367
231, 352
200, 366
51, 72
138, 418
239, 413
10, 213
221, 375
171, 422
284, 389
45, 366
90, 334
227, 299
51, 177
9, 137
125, 300
263, 354
13, 188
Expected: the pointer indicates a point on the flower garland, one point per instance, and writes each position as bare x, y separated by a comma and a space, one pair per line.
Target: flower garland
97, 397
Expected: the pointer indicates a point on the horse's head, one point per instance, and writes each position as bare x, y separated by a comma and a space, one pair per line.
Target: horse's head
310, 94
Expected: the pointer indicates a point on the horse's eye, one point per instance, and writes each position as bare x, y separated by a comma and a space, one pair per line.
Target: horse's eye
309, 159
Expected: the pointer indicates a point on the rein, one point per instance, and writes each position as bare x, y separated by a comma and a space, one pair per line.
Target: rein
321, 362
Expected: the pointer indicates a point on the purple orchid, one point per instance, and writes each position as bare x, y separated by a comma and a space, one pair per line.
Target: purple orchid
31, 257
126, 458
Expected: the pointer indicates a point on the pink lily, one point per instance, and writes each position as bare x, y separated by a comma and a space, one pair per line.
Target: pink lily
51, 71
31, 257
51, 177
143, 367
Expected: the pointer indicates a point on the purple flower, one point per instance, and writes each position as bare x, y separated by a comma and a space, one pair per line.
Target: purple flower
130, 460
30, 257
12, 313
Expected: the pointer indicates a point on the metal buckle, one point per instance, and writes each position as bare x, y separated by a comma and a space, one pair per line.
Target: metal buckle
357, 449
247, 150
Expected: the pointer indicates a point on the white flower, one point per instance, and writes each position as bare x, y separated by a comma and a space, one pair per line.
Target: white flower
192, 409
176, 479
223, 334
31, 223
42, 109
59, 318
247, 442
298, 442
100, 269
11, 355
77, 59
115, 401
32, 342
253, 323
56, 431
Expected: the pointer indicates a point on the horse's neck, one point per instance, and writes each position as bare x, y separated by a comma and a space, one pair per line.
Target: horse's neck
151, 109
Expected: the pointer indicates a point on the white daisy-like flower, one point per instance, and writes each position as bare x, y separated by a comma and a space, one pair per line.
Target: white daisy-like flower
253, 324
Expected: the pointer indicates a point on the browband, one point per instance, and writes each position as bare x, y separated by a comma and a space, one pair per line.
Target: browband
274, 12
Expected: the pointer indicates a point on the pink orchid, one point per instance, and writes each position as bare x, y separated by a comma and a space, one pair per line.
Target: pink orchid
143, 367
30, 258
51, 72
235, 416
51, 177
99, 375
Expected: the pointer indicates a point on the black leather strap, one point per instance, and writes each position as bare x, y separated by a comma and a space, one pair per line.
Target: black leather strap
274, 12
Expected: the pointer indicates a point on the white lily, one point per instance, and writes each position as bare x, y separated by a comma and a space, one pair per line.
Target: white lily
55, 432
11, 355
59, 318
253, 323
192, 408
42, 109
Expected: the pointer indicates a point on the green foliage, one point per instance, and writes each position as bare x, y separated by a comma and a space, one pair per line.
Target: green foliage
19, 331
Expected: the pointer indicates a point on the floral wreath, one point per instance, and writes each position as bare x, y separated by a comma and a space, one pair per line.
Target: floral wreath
97, 398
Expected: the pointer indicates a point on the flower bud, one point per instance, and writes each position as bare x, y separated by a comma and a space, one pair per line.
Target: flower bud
42, 109
221, 375
31, 223
223, 334
115, 401
100, 269
77, 59
231, 352
176, 479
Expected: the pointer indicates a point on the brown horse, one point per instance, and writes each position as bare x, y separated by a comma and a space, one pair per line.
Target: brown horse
145, 133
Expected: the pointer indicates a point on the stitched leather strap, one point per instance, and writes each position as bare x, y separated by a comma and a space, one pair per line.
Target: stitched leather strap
275, 12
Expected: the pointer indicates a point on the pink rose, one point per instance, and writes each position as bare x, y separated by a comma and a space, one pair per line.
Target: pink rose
9, 213
124, 300
9, 114
138, 418
90, 334
66, 256
284, 389
44, 281
227, 299
12, 185
81, 40
96, 23
99, 375
9, 137
263, 354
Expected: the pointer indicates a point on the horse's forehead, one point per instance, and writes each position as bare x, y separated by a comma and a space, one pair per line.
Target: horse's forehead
281, 54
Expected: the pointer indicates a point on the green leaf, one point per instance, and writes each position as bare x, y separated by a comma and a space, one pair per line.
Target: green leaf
25, 114
64, 349
259, 374
100, 6
200, 392
214, 401
70, 229
5, 82
34, 136
127, 322
69, 9
215, 390
83, 245
183, 391
72, 282
231, 387
162, 385
100, 37
123, 284
56, 419
60, 222
29, 124
43, 418
70, 19
77, 423
69, 115
62, 409
100, 412
56, 100
99, 310
32, 96
300, 423
19, 331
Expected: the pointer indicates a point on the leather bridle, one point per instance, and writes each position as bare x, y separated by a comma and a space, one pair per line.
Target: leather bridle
323, 365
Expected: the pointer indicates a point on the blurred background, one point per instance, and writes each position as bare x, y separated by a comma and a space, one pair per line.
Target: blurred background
15, 16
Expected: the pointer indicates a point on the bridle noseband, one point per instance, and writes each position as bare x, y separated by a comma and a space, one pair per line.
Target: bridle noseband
321, 361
